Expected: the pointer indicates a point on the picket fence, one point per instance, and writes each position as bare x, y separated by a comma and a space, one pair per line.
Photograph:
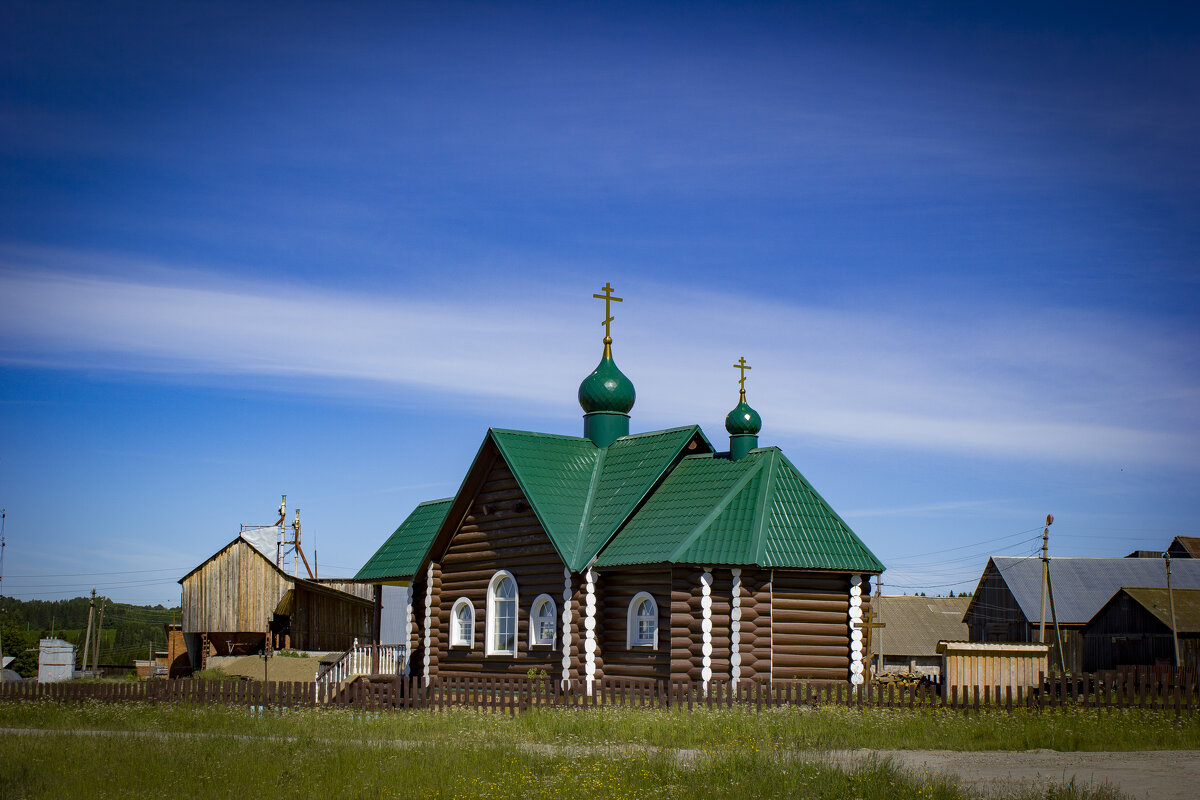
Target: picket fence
1175, 691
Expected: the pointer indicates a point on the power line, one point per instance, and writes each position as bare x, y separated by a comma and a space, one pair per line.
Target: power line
91, 574
978, 544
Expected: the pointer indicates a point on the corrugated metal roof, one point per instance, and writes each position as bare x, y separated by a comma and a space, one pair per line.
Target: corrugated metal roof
1083, 585
402, 553
581, 493
756, 510
914, 625
1156, 601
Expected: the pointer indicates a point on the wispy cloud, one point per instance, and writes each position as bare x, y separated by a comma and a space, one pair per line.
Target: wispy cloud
1072, 385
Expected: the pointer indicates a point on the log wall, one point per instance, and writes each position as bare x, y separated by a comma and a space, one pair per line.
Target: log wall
617, 590
500, 531
755, 639
686, 636
810, 625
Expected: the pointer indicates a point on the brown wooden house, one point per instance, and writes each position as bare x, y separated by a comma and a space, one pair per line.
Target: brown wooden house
231, 599
613, 554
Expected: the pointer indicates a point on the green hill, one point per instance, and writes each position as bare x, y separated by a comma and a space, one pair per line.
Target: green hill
129, 632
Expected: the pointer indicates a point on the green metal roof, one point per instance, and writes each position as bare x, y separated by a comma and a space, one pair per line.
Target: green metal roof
582, 493
401, 554
757, 510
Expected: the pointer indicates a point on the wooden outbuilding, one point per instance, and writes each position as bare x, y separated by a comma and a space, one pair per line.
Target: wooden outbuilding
1003, 666
1134, 629
231, 600
611, 554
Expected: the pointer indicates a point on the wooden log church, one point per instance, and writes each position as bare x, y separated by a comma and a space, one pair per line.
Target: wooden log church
647, 555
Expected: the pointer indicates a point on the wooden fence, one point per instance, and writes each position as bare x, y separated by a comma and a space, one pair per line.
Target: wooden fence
1175, 691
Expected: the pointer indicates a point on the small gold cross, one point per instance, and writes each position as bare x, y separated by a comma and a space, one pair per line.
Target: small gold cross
743, 366
608, 298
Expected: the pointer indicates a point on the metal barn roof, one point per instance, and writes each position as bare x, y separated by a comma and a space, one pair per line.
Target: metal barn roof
1083, 585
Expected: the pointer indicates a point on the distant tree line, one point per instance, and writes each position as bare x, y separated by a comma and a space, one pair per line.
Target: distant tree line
130, 632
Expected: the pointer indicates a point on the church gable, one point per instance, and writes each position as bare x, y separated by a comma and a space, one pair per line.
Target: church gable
582, 493
498, 546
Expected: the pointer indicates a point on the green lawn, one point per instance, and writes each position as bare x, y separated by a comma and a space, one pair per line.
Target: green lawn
207, 752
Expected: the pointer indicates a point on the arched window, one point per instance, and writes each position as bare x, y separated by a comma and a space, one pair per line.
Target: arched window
502, 615
462, 623
541, 621
642, 622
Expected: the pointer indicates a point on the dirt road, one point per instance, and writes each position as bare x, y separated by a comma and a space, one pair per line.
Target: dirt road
1153, 775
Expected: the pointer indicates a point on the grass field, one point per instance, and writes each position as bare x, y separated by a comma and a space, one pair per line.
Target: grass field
204, 752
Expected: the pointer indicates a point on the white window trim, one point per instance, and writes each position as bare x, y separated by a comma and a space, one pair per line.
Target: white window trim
456, 639
490, 623
631, 620
538, 602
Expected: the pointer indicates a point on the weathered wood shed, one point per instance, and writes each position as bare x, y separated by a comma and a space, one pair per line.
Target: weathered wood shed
230, 599
1134, 629
644, 555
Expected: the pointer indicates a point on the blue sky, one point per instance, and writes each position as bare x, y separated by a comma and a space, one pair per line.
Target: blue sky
319, 250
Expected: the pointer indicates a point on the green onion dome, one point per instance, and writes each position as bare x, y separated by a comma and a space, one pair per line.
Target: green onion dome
606, 389
743, 420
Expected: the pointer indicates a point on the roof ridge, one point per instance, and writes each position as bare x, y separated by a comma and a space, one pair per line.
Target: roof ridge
661, 431
540, 434
716, 511
760, 513
585, 516
434, 502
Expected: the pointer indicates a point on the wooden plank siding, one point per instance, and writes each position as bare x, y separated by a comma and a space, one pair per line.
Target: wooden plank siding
810, 625
324, 622
617, 590
500, 531
236, 590
994, 614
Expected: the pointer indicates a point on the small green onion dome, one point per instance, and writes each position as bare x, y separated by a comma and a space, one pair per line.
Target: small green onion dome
606, 389
743, 419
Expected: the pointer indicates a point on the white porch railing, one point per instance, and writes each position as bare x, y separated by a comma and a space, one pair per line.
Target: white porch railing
364, 659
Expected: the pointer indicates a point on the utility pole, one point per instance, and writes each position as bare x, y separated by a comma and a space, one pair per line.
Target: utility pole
1171, 603
1045, 576
87, 638
877, 612
3, 514
1048, 589
99, 629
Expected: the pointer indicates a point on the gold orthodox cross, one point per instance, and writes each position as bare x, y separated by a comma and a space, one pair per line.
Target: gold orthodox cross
743, 366
608, 298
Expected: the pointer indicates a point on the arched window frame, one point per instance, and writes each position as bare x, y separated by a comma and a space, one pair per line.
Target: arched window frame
542, 610
462, 635
634, 636
490, 644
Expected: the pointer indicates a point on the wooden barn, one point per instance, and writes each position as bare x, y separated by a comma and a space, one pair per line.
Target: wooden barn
646, 555
1006, 606
1134, 629
234, 596
910, 630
